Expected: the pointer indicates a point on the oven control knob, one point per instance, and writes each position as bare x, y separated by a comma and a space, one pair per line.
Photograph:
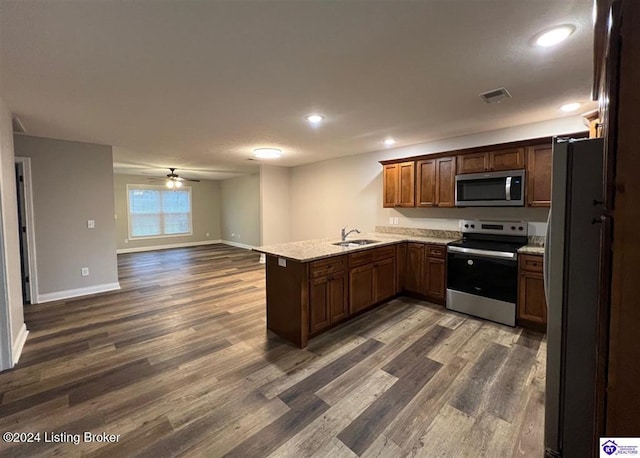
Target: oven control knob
513, 228
470, 262
473, 226
466, 225
521, 228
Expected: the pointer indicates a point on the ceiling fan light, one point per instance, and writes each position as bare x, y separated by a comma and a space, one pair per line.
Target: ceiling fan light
170, 184
178, 184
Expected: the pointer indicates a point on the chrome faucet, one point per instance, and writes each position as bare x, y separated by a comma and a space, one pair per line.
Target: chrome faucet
344, 233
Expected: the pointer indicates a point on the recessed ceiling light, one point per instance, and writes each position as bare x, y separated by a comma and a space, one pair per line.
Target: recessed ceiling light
389, 141
267, 153
569, 107
315, 118
554, 36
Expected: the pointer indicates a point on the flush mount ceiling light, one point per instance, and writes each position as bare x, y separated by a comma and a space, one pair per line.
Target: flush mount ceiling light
569, 107
554, 36
389, 141
315, 118
267, 153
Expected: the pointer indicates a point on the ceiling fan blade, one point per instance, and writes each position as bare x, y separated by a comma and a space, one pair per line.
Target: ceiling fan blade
190, 179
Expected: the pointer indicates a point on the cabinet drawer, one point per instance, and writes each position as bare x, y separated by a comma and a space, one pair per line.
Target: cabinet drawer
435, 251
531, 263
327, 266
368, 256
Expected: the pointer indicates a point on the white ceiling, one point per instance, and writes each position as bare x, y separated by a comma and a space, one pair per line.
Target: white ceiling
199, 84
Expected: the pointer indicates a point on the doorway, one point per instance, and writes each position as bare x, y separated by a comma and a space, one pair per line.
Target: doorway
26, 230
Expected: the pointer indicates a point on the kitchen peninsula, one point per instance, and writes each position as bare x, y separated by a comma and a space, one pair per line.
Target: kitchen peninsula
316, 284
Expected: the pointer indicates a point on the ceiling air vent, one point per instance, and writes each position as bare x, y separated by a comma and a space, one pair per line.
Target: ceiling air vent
495, 95
18, 127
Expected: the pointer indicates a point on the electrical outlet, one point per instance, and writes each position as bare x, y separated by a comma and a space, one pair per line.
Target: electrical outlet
85, 271
391, 220
395, 220
91, 224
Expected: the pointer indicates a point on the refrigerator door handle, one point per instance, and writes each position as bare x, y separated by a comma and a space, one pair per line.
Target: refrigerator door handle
545, 260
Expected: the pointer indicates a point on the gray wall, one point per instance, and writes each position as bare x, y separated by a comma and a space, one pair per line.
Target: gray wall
240, 209
205, 211
13, 330
275, 214
72, 183
328, 195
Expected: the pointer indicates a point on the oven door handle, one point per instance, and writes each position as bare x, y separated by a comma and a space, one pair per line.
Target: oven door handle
484, 253
507, 188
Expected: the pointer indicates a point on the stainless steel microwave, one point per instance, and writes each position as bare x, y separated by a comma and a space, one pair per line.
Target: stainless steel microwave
490, 189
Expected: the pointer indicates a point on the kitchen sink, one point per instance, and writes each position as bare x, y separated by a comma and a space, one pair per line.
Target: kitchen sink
358, 242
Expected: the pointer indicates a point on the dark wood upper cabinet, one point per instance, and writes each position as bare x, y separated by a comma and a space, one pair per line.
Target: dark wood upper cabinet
506, 159
429, 180
473, 163
445, 181
426, 183
435, 182
538, 177
390, 181
399, 184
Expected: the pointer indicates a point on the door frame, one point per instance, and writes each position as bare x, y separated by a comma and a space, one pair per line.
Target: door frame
30, 235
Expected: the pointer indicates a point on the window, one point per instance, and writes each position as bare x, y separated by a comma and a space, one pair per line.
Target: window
155, 211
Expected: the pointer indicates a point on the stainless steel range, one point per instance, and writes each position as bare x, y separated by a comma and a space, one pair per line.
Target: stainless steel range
482, 269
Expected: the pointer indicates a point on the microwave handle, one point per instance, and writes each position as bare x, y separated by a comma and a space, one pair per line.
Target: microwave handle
507, 188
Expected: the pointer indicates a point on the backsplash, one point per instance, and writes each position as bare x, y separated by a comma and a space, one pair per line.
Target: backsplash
537, 240
420, 232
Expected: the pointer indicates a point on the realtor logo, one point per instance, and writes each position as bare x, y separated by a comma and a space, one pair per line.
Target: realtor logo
609, 447
617, 446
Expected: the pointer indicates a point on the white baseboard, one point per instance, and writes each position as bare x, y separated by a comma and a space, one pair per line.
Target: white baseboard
238, 244
69, 293
18, 345
166, 247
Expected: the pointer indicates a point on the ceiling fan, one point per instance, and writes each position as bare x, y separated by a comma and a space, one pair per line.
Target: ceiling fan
174, 180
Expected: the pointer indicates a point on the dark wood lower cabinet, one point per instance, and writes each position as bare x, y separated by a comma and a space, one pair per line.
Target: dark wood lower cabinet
371, 283
328, 303
426, 271
436, 279
361, 291
414, 268
532, 304
384, 279
307, 298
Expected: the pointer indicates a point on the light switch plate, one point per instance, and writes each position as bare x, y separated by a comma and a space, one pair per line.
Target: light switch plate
395, 220
85, 271
391, 220
91, 224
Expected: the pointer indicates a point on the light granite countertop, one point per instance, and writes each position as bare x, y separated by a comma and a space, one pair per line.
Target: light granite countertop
310, 250
532, 249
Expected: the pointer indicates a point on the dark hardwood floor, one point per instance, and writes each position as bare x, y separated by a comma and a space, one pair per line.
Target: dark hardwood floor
178, 362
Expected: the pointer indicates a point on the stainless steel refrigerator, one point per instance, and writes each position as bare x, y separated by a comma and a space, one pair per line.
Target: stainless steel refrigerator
572, 286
